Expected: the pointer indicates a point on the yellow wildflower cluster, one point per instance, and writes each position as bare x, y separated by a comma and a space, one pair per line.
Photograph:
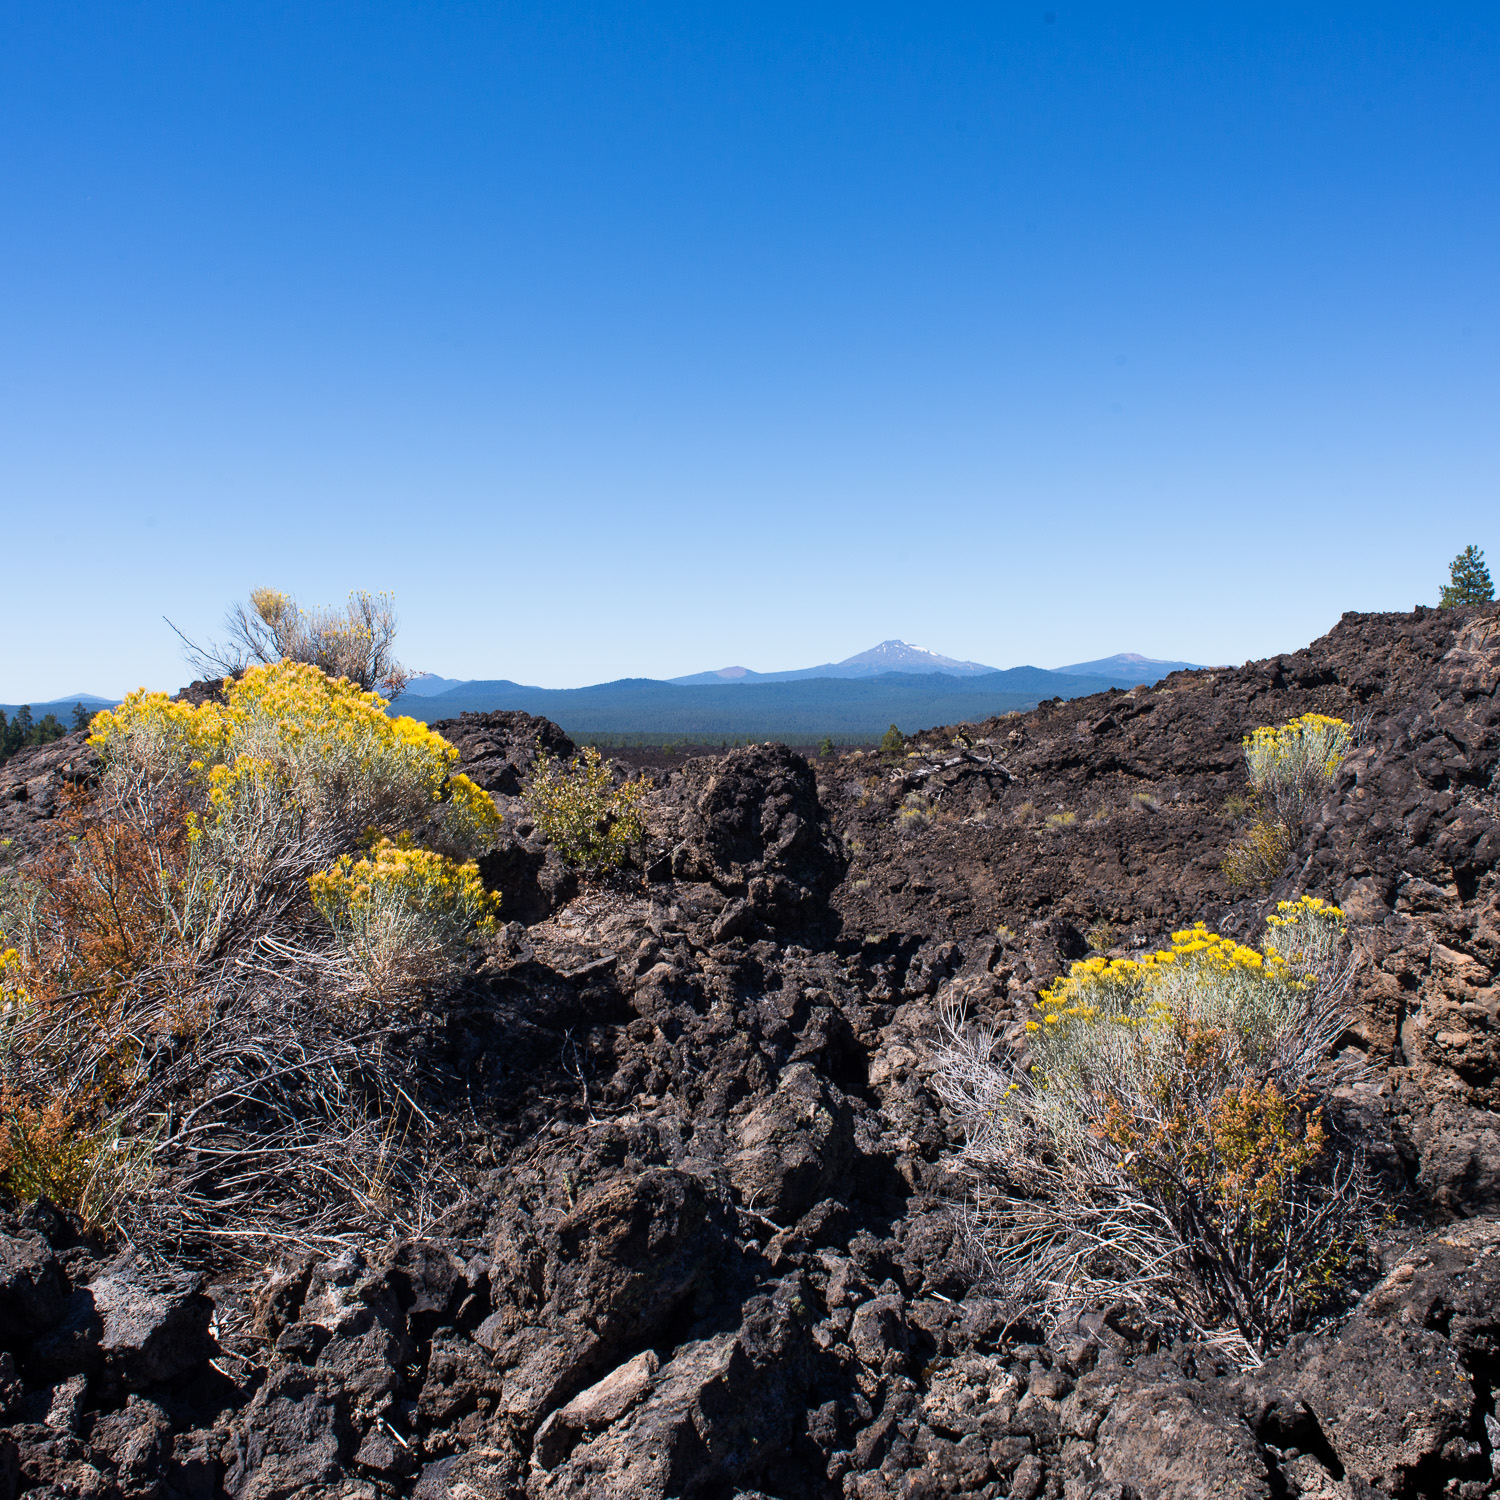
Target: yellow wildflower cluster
13, 992
1293, 913
1315, 740
418, 879
1122, 987
1305, 933
331, 747
162, 737
402, 913
1160, 988
469, 814
227, 783
289, 705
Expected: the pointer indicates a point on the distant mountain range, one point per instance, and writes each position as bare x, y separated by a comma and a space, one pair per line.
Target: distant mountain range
852, 700
429, 685
853, 710
1126, 669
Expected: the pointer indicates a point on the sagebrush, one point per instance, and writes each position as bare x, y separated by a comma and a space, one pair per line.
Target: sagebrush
356, 642
1289, 765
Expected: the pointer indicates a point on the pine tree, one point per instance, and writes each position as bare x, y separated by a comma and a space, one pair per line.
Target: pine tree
1471, 580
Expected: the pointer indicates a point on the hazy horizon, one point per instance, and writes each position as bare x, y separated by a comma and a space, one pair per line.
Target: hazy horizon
54, 698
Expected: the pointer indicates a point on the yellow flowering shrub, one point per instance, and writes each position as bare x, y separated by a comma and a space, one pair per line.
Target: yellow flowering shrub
338, 752
1305, 934
470, 818
212, 886
1286, 765
914, 814
292, 770
13, 991
1164, 1141
591, 822
403, 913
156, 738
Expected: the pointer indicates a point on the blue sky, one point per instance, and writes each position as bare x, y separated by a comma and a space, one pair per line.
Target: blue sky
636, 340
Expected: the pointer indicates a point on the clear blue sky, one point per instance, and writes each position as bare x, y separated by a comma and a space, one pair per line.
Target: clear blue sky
642, 339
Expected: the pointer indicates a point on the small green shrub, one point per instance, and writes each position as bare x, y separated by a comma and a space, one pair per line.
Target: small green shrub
591, 822
1238, 807
892, 743
1257, 856
54, 1150
825, 746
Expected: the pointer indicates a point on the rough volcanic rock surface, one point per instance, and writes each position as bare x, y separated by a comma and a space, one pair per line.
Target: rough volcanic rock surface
498, 750
32, 787
749, 823
708, 1246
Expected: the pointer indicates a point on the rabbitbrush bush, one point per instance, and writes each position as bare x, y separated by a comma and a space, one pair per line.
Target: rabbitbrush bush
207, 929
1164, 1142
402, 912
1287, 767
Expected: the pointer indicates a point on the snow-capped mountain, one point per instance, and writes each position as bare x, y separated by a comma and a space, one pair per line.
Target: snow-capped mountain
888, 656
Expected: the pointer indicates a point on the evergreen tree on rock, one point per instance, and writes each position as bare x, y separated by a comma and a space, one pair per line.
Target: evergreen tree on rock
1470, 580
